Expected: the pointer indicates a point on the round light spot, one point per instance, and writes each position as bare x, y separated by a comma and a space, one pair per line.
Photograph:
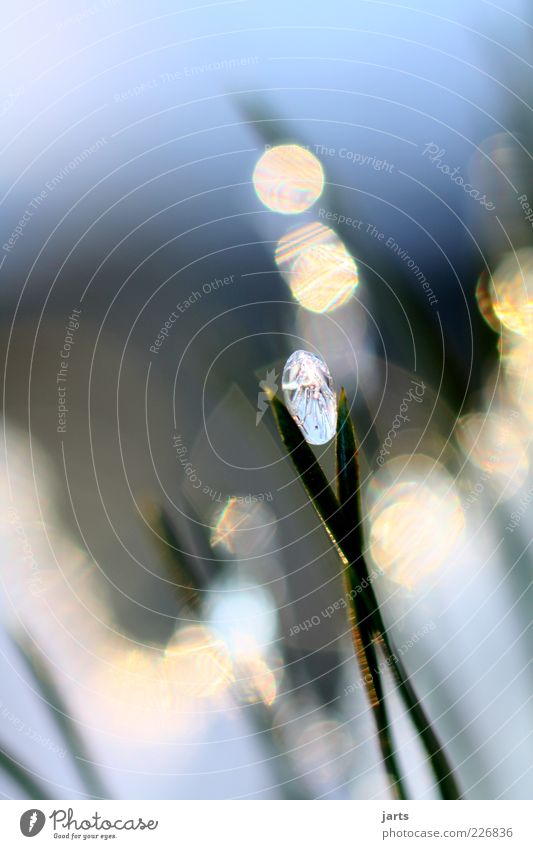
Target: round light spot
288, 179
494, 444
319, 270
416, 519
512, 291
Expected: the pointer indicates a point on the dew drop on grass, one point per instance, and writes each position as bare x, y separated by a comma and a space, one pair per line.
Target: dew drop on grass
310, 396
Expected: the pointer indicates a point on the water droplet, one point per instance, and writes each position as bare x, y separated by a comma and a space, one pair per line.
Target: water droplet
310, 396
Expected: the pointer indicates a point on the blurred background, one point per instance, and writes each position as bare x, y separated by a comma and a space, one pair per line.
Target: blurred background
190, 193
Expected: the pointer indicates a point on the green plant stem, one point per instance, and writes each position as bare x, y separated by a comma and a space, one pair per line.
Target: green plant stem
369, 665
350, 500
371, 673
347, 484
441, 766
438, 759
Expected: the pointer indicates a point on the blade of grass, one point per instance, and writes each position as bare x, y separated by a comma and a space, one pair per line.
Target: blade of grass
349, 498
350, 504
329, 511
309, 471
319, 491
383, 724
440, 763
22, 776
355, 572
50, 693
345, 531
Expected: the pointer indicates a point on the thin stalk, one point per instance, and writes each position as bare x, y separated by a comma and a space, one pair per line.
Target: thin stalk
332, 515
441, 766
341, 519
384, 727
347, 483
350, 500
369, 667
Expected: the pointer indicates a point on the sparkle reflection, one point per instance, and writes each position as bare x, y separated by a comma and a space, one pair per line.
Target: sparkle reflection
416, 518
484, 302
243, 526
512, 291
288, 179
255, 680
199, 662
319, 270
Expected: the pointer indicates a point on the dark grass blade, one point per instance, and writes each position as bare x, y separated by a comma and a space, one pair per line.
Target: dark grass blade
50, 693
183, 568
440, 763
349, 498
337, 521
383, 725
341, 519
350, 502
258, 111
334, 519
311, 475
23, 777
364, 602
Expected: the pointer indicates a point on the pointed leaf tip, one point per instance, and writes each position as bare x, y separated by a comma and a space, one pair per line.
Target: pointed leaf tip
269, 392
